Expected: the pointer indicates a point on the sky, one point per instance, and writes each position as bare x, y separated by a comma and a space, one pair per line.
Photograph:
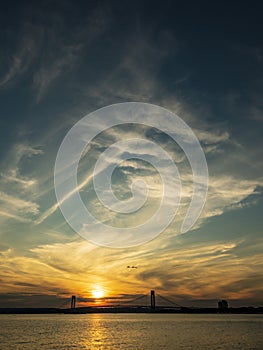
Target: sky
60, 61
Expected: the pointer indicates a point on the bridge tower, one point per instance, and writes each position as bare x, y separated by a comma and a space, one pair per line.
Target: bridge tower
152, 300
73, 302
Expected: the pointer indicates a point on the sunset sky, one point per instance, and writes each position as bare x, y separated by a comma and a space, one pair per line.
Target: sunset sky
61, 60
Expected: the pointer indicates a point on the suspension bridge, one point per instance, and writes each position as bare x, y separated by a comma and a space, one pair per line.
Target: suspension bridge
152, 302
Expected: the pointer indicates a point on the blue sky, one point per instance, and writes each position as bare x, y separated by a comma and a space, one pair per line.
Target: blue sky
61, 61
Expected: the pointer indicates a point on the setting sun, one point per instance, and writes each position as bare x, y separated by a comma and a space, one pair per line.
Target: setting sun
97, 293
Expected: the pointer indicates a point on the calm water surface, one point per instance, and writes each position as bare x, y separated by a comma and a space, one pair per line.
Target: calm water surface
131, 331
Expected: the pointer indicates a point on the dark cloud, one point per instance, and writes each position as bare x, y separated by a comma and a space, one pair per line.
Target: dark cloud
12, 300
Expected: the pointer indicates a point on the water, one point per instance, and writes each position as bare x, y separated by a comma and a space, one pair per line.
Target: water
131, 331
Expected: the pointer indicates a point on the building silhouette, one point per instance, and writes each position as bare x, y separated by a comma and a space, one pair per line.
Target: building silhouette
222, 304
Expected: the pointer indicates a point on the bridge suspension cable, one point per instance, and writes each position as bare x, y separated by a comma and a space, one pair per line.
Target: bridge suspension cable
169, 301
129, 302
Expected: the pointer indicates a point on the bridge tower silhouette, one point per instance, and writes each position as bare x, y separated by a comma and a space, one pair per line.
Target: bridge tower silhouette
73, 302
152, 300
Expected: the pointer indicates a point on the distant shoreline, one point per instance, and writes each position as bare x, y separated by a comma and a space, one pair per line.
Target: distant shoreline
114, 310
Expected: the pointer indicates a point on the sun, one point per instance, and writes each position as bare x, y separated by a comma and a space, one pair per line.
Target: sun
97, 293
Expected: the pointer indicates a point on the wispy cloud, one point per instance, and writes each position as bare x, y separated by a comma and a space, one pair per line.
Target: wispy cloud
13, 185
9, 215
17, 62
66, 52
225, 191
18, 205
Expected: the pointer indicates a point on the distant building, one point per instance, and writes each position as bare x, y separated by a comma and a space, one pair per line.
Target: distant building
222, 304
